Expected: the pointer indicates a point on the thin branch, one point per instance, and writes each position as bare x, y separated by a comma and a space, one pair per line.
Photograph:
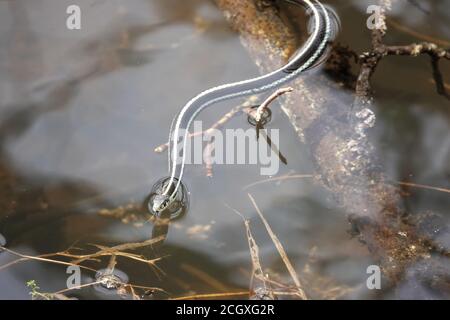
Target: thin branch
260, 111
370, 60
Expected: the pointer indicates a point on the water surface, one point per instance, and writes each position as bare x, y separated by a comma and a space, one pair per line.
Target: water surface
82, 111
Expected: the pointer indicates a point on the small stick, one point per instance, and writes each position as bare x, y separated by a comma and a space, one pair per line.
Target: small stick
282, 178
269, 100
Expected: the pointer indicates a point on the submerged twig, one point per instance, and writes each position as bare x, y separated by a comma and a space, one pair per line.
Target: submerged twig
205, 277
77, 259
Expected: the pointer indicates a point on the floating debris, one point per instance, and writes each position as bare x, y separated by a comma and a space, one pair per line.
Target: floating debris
262, 293
110, 280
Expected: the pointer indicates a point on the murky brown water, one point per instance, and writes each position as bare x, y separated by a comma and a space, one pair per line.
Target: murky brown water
81, 112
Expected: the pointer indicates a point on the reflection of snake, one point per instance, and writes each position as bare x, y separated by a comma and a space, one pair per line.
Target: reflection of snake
310, 55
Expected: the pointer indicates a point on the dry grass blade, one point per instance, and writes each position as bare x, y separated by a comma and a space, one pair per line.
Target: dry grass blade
257, 271
281, 250
265, 289
81, 286
282, 178
41, 258
131, 245
423, 186
214, 295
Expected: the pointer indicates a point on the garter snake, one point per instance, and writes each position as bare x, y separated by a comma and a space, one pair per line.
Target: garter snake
306, 58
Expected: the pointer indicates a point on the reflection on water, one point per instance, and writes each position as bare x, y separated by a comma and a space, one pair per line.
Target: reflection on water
81, 112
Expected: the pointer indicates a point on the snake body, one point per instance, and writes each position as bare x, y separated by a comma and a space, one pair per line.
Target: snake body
306, 58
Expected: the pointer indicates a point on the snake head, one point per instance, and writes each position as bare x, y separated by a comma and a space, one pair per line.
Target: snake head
159, 203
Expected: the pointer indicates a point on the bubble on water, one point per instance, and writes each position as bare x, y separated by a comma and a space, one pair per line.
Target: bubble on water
110, 280
265, 117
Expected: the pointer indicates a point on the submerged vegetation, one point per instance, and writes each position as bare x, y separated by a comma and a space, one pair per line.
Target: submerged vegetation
263, 285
